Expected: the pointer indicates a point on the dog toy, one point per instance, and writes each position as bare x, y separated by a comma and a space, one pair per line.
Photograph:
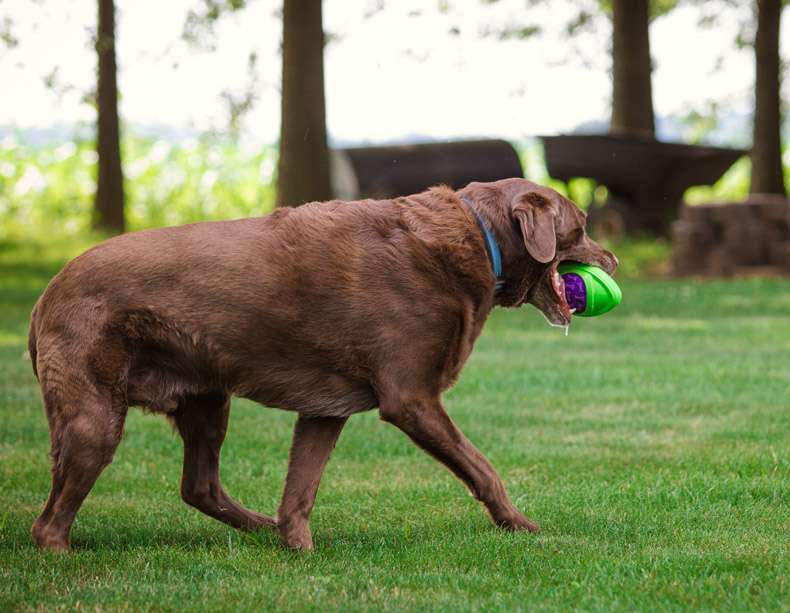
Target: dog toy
589, 291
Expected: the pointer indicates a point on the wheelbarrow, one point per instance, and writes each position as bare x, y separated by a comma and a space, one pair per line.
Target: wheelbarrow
646, 178
398, 170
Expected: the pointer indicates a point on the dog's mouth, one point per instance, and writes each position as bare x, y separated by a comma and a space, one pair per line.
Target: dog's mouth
549, 297
558, 287
549, 294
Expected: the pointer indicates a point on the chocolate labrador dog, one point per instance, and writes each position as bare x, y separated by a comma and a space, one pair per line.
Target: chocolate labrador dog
327, 310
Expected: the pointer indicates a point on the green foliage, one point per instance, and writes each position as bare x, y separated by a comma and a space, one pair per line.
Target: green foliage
657, 7
582, 191
45, 189
641, 258
519, 32
7, 37
199, 24
652, 445
589, 13
49, 190
733, 185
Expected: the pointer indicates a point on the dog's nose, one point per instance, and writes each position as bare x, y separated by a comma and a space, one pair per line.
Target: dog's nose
611, 262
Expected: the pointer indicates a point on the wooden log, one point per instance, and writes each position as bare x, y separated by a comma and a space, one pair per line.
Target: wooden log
720, 262
780, 256
693, 235
775, 210
775, 233
745, 241
699, 213
729, 214
690, 245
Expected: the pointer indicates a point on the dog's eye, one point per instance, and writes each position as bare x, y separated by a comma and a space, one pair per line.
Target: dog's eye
570, 238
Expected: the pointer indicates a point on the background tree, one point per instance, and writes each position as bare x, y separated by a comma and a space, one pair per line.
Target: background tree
767, 150
109, 203
632, 90
303, 165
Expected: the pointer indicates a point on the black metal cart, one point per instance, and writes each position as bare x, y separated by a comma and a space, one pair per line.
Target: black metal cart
646, 178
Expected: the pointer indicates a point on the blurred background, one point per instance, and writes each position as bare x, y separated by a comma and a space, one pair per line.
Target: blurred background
125, 115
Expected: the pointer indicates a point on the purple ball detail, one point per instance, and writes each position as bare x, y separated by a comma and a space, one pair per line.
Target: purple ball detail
575, 292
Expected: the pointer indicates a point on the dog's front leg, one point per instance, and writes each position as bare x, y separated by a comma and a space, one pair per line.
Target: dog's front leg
314, 439
428, 425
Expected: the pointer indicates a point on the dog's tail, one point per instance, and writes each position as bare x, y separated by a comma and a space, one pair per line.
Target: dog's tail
32, 350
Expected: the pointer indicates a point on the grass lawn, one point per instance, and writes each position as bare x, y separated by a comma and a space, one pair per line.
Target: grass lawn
652, 445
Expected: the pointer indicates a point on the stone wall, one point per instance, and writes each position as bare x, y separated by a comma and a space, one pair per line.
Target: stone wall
733, 238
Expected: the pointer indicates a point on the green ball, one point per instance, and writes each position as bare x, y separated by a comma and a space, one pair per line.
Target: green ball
601, 292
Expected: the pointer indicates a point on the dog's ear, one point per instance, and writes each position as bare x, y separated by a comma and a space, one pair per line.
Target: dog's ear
536, 216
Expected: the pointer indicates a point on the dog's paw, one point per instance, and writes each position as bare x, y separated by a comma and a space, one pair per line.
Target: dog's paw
296, 536
47, 541
517, 521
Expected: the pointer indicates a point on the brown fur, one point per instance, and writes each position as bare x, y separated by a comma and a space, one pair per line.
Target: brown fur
328, 309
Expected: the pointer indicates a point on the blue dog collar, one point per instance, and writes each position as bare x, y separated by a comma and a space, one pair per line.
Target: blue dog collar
492, 248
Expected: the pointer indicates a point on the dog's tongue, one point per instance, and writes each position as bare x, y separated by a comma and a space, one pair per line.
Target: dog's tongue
575, 292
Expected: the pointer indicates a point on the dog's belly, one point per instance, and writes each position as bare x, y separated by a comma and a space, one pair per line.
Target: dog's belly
309, 391
158, 381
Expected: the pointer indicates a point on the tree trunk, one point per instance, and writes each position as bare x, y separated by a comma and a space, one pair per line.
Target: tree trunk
109, 202
767, 151
632, 96
303, 167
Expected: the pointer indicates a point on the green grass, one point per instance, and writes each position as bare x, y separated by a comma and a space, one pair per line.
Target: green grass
652, 445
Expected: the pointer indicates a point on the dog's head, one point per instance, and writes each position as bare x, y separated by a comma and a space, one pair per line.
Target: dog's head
545, 229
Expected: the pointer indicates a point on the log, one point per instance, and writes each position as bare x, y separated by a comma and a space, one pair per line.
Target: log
780, 256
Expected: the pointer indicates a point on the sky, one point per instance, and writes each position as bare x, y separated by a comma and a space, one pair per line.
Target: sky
391, 72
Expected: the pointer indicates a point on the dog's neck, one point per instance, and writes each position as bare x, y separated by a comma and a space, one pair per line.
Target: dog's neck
517, 274
492, 247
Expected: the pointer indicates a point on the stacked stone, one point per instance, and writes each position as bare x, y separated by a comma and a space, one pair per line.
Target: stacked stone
733, 238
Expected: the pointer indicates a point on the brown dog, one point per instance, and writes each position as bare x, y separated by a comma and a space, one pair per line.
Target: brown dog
327, 310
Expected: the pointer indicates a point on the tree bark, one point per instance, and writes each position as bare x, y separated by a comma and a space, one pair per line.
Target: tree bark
109, 203
632, 95
303, 166
767, 176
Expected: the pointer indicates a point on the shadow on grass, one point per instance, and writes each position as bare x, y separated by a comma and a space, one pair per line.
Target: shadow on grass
123, 536
97, 535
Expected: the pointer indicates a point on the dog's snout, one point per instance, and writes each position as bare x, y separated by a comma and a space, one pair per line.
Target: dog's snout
593, 253
613, 262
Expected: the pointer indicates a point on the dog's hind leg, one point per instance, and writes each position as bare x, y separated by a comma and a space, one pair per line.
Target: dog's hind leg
85, 431
202, 421
314, 439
